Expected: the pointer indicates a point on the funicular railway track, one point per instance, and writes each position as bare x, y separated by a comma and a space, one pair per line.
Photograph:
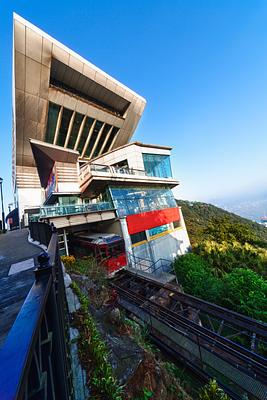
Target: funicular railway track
200, 333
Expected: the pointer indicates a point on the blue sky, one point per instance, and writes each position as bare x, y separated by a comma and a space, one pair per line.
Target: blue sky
201, 65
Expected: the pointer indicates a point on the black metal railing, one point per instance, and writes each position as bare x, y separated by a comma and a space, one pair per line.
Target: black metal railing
35, 358
149, 266
40, 232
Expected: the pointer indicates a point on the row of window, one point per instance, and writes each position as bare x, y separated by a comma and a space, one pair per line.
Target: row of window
137, 200
141, 236
107, 131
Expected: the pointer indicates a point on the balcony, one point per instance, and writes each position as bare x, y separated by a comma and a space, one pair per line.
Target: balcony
94, 178
69, 209
77, 214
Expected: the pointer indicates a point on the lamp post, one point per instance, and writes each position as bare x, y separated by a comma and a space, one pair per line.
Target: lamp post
3, 211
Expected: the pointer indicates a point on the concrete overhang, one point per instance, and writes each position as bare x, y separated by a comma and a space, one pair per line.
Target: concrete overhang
96, 184
45, 156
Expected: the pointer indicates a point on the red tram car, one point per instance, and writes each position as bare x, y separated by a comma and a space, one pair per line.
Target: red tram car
107, 248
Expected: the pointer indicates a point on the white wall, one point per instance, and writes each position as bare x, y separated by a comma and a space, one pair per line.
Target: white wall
28, 198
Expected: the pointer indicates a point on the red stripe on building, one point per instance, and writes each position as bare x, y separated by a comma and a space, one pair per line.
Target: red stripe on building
148, 220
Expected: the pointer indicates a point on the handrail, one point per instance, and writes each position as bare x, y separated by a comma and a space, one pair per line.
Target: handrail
152, 267
109, 169
34, 359
68, 209
16, 354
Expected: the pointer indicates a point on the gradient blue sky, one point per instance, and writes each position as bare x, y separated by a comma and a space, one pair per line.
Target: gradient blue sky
201, 65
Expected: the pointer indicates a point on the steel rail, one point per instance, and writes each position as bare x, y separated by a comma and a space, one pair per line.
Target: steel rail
233, 317
245, 357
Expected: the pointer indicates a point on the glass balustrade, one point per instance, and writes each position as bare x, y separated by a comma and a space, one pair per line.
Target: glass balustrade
85, 170
66, 209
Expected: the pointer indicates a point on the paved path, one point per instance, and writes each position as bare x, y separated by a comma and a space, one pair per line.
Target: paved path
14, 248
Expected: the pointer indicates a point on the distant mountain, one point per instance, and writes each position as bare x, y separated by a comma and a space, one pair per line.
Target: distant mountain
198, 215
252, 206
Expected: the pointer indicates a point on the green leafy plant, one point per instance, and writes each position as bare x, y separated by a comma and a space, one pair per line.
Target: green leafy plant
212, 391
146, 395
92, 346
241, 290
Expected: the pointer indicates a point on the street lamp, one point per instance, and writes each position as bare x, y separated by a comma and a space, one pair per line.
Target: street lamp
3, 211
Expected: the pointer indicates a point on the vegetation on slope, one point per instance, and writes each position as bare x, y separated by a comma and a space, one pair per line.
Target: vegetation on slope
229, 260
199, 215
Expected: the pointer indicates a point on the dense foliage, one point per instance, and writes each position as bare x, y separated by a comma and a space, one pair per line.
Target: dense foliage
228, 265
241, 290
199, 215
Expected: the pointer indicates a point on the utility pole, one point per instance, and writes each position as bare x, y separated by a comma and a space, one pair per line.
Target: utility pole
3, 211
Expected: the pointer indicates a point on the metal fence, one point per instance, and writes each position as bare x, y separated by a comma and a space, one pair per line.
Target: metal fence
149, 266
40, 232
34, 360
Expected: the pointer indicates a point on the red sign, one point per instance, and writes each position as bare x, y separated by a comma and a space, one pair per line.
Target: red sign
147, 220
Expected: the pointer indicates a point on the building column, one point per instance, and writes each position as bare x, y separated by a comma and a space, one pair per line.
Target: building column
66, 242
186, 240
127, 239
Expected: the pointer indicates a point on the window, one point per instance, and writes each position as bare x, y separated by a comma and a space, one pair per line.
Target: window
110, 139
138, 237
158, 229
65, 200
87, 126
176, 224
102, 139
75, 130
52, 122
137, 200
97, 127
157, 165
66, 116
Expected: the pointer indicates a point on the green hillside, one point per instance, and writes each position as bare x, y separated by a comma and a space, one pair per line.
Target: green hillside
228, 262
199, 215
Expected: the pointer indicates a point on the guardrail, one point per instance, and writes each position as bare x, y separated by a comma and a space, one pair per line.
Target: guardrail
34, 360
40, 232
88, 169
149, 266
206, 351
68, 209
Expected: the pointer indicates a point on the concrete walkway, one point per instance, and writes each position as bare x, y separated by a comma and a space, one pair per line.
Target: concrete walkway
17, 260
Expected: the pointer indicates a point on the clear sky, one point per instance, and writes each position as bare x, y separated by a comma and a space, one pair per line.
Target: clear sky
201, 65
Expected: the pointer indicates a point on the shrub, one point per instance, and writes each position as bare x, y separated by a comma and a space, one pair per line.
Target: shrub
212, 391
241, 290
225, 256
195, 277
245, 291
68, 261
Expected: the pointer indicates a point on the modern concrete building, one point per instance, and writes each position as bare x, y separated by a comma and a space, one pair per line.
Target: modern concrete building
62, 99
73, 163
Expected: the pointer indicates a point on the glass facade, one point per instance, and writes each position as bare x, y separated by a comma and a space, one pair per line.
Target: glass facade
112, 135
52, 122
138, 200
63, 130
87, 126
138, 237
107, 135
158, 229
97, 127
62, 200
157, 165
102, 139
75, 130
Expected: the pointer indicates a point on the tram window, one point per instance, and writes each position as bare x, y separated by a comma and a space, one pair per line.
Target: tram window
116, 249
